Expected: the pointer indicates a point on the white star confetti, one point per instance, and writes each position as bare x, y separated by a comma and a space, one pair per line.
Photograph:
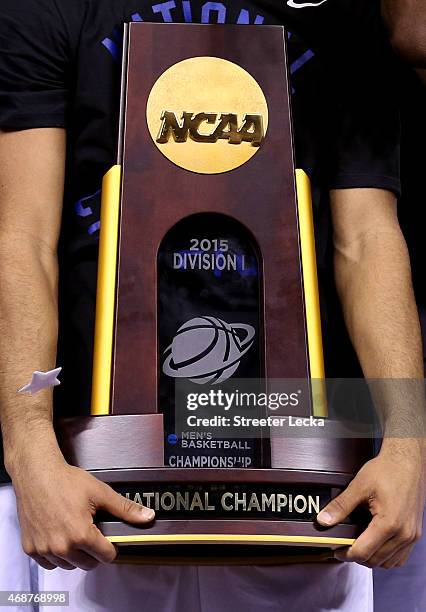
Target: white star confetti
42, 380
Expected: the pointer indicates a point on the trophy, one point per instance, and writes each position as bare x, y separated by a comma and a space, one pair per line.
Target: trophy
207, 295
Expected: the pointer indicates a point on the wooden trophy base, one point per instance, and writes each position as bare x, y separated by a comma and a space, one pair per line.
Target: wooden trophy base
222, 517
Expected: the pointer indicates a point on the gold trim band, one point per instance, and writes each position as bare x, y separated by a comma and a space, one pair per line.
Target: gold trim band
227, 538
105, 298
311, 293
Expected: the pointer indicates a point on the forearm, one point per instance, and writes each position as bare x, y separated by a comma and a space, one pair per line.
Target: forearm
28, 340
379, 307
373, 279
56, 503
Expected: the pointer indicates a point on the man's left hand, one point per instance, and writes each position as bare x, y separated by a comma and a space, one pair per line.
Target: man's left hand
393, 487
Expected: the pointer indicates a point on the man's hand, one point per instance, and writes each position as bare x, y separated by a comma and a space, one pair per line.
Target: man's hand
56, 507
393, 487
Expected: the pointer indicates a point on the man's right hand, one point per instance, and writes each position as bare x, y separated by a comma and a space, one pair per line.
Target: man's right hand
56, 507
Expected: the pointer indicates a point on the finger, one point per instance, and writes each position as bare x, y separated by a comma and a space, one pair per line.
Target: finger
80, 559
391, 548
43, 562
98, 547
124, 508
399, 559
342, 506
58, 562
368, 543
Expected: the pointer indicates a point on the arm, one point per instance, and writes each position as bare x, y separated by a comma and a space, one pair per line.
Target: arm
406, 22
373, 279
56, 502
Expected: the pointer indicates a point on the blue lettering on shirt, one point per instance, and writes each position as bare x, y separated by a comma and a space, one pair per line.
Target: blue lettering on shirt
165, 9
213, 7
187, 11
211, 12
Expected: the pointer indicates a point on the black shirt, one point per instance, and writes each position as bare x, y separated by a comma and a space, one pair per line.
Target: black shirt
60, 67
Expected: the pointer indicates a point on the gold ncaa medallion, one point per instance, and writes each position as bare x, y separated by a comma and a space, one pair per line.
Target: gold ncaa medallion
207, 115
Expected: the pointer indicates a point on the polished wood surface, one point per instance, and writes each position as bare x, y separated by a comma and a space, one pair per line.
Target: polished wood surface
212, 555
156, 194
112, 442
189, 476
107, 443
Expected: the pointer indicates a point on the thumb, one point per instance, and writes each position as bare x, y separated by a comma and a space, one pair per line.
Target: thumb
341, 507
123, 508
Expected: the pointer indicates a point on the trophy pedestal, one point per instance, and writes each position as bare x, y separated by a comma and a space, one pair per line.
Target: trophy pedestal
233, 513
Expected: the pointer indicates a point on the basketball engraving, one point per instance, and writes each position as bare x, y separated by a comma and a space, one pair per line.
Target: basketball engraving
207, 350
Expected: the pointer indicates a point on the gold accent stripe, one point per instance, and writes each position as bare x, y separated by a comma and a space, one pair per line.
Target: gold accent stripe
312, 304
105, 297
223, 538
